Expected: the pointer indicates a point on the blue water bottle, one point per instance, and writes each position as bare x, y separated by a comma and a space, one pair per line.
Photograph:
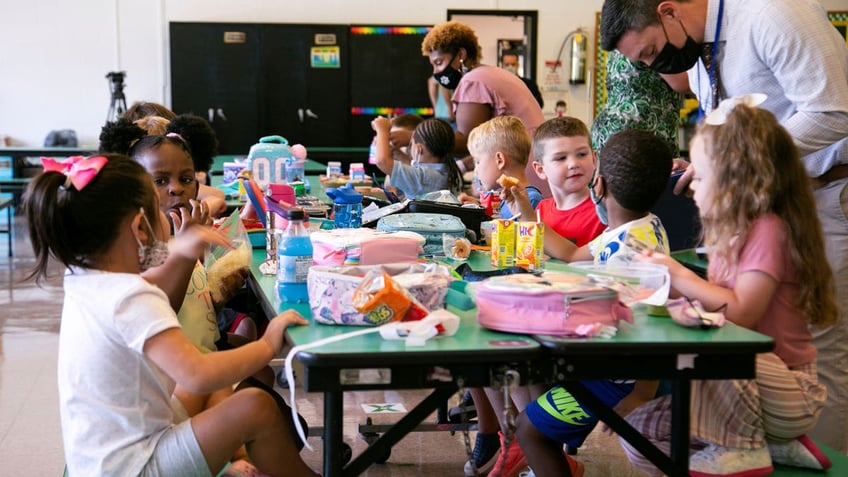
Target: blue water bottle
347, 206
294, 258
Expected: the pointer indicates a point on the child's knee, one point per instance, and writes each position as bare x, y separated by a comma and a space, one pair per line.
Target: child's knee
257, 404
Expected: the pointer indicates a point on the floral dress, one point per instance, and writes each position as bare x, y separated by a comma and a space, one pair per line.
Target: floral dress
637, 98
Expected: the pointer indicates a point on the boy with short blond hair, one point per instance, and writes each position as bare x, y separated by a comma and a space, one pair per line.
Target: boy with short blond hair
501, 147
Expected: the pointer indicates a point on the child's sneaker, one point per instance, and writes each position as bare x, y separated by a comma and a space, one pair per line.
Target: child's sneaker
486, 448
801, 452
714, 461
465, 411
511, 461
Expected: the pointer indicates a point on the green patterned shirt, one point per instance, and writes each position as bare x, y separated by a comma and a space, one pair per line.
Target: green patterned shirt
637, 98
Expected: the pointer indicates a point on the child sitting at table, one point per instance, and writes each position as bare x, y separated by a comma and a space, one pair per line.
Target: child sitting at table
631, 175
432, 166
121, 349
563, 156
767, 272
500, 147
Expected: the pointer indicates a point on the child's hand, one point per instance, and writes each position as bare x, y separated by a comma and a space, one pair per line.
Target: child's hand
467, 199
517, 200
277, 328
399, 138
651, 256
192, 242
381, 124
199, 215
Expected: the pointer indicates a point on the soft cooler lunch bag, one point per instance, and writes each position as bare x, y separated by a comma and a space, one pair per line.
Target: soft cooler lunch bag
555, 303
431, 226
365, 246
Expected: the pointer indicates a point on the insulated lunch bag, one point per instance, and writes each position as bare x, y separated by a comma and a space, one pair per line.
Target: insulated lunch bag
431, 226
554, 303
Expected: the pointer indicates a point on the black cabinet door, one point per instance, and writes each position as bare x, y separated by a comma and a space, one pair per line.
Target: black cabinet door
306, 90
216, 71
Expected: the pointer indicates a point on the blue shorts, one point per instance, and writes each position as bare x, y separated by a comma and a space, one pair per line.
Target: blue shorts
559, 416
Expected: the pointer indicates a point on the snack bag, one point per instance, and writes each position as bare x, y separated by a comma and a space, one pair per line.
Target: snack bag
381, 300
226, 269
529, 244
503, 242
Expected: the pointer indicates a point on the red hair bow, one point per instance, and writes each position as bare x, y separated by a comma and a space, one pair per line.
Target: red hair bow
79, 170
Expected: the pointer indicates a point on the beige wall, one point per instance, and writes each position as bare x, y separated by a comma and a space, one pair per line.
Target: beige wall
54, 54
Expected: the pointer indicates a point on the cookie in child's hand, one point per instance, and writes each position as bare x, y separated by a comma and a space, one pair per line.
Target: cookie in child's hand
506, 181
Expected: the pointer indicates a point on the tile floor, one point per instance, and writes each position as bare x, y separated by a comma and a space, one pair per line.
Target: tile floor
30, 438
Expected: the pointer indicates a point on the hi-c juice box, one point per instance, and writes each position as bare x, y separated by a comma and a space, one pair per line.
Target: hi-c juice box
503, 242
529, 244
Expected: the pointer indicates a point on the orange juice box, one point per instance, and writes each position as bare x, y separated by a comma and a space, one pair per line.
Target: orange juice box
503, 243
529, 244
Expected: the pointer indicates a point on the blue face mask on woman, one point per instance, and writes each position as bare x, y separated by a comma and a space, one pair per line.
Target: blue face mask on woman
600, 207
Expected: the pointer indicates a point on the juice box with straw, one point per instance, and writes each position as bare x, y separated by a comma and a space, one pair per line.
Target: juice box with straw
529, 244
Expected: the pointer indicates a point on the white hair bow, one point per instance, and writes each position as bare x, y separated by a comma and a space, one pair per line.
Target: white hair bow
718, 116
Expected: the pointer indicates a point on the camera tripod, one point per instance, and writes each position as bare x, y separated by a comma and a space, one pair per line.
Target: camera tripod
119, 102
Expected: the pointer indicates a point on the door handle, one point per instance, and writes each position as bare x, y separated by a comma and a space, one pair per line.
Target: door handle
300, 114
310, 114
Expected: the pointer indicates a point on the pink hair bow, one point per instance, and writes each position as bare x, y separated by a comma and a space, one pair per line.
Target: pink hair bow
79, 170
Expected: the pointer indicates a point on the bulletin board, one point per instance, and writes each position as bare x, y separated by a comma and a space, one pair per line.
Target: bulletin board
840, 21
599, 92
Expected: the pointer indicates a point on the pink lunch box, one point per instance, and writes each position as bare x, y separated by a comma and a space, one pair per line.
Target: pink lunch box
555, 303
365, 246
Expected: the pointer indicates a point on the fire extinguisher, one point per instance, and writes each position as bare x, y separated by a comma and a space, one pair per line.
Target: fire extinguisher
578, 58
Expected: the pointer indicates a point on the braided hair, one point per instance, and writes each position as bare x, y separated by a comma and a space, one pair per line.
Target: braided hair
438, 137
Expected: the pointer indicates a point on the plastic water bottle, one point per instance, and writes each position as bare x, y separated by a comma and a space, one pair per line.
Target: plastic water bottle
347, 206
294, 258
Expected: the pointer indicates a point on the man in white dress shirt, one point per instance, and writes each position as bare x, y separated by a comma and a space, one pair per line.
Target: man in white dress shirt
788, 50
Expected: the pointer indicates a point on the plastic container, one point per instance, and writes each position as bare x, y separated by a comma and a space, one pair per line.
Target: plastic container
347, 206
294, 259
635, 282
295, 171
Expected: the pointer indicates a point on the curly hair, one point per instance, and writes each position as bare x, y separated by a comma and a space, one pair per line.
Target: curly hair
636, 166
759, 169
565, 126
120, 136
438, 137
505, 134
449, 37
201, 139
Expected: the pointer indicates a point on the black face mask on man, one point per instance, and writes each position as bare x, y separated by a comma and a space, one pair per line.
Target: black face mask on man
672, 60
449, 77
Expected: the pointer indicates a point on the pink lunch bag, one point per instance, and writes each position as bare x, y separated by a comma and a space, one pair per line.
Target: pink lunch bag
555, 303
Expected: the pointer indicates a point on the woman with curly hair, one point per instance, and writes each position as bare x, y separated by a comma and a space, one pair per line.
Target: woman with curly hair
480, 92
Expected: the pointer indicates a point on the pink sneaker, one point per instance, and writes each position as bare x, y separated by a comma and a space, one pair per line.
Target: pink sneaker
511, 460
801, 452
714, 461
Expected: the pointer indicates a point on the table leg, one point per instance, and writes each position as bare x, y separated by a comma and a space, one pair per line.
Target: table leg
625, 430
680, 402
333, 417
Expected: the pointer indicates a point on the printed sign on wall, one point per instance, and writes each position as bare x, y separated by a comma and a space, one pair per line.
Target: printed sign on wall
325, 57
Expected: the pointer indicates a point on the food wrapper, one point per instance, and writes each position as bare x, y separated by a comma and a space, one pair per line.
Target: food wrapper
529, 244
381, 300
226, 268
503, 242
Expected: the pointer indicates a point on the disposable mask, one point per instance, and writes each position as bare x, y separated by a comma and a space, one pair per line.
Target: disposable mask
600, 206
672, 60
512, 69
153, 255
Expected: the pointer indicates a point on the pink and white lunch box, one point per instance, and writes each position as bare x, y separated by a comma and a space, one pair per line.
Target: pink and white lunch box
555, 303
365, 246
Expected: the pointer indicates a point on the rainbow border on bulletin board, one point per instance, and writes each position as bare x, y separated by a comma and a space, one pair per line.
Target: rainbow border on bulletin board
386, 111
389, 30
